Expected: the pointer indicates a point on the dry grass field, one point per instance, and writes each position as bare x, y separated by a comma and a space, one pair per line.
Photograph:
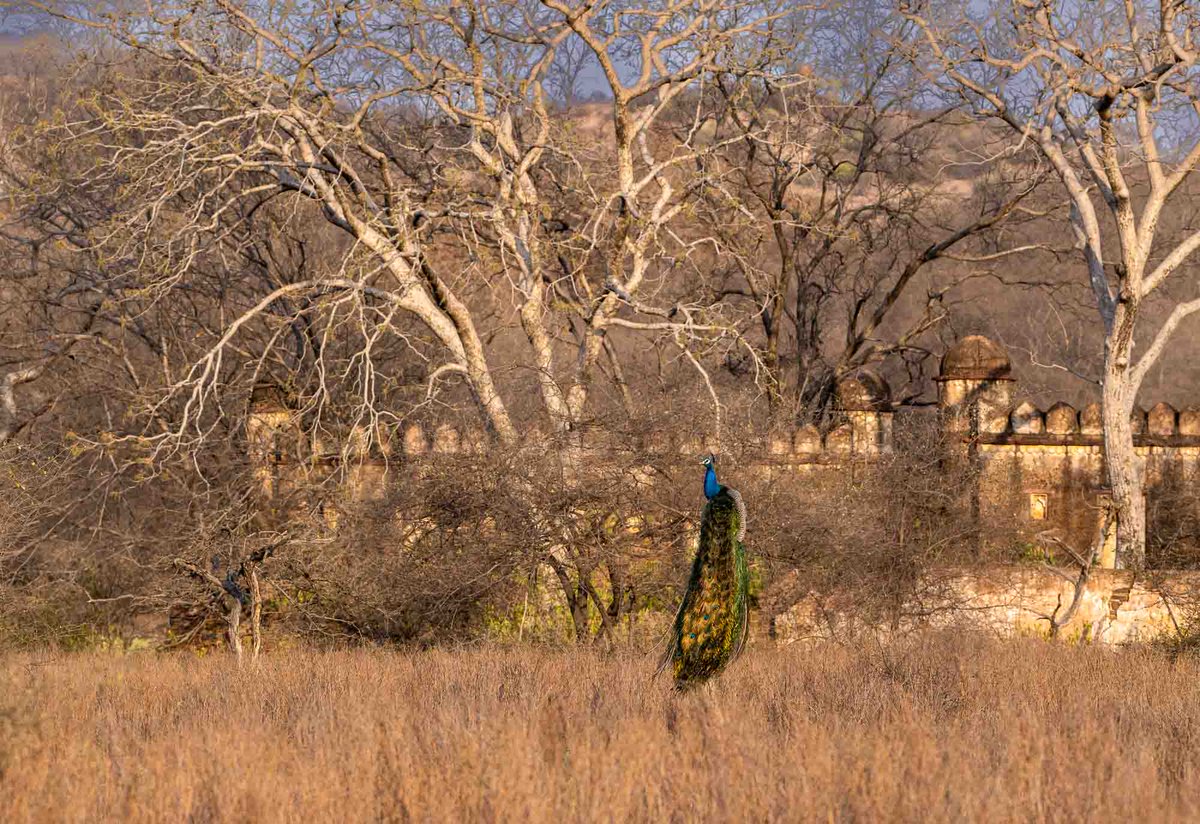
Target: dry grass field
938, 729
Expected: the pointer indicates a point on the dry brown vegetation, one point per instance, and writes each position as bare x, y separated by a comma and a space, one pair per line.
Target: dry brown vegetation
944, 728
377, 238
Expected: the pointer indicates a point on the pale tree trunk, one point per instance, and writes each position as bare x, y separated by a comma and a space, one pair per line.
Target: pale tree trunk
231, 600
1126, 468
233, 620
10, 421
255, 613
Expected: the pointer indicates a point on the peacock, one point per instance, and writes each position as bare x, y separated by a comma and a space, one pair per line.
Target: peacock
713, 620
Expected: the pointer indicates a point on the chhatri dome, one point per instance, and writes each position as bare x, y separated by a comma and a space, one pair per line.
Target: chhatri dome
976, 358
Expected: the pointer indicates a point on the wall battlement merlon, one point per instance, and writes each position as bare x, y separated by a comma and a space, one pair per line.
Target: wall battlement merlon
1140, 442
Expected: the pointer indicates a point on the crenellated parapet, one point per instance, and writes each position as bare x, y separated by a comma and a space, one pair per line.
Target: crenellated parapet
1061, 423
975, 397
976, 390
1041, 466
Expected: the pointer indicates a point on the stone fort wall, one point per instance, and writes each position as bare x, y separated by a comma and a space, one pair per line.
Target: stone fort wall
1042, 470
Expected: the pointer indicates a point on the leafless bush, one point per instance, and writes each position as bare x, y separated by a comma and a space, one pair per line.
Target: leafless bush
867, 536
1173, 523
34, 603
453, 540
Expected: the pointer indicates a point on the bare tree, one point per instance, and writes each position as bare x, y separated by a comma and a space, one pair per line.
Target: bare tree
51, 293
415, 153
239, 588
835, 193
1107, 94
326, 108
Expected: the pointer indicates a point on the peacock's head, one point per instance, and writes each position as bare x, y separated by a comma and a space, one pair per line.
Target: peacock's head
709, 460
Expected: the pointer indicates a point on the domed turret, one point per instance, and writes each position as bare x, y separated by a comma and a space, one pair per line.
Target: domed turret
976, 358
269, 420
864, 391
270, 411
975, 386
866, 399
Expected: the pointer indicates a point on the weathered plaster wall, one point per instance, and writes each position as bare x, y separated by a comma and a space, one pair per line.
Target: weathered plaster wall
1116, 607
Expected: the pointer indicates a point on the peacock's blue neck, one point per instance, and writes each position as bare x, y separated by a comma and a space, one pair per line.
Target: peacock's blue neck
711, 487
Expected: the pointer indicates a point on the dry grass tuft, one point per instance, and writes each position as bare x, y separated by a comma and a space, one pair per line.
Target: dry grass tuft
940, 729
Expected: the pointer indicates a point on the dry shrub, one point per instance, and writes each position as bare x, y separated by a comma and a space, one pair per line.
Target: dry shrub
426, 561
449, 548
454, 541
1173, 523
867, 535
36, 601
937, 729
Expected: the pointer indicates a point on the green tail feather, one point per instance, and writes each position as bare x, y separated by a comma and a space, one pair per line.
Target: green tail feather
713, 620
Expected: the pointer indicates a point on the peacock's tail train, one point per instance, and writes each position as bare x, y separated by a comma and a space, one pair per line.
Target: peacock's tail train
711, 626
